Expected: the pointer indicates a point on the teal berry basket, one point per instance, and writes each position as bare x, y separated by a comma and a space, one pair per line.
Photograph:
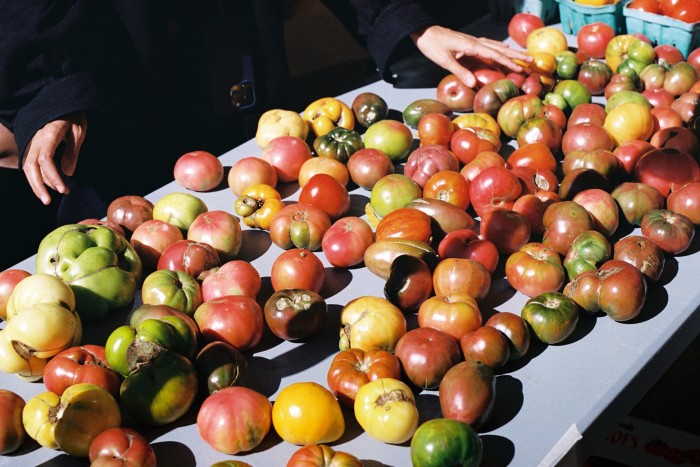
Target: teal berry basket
664, 30
505, 9
575, 15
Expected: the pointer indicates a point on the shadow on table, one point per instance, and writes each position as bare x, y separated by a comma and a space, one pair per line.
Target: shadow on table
509, 401
498, 451
654, 303
173, 453
256, 242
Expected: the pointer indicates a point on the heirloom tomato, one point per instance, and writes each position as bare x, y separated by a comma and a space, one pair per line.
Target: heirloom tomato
236, 319
345, 242
455, 94
671, 231
327, 194
369, 108
339, 144
552, 316
393, 191
507, 229
367, 166
188, 256
563, 221
442, 441
299, 225
368, 322
426, 354
121, 445
307, 413
641, 253
286, 154
426, 160
251, 171
685, 199
353, 368
84, 364
468, 392
516, 331
468, 142
386, 409
588, 251
324, 165
521, 25
455, 314
295, 313
297, 268
320, 455
435, 129
636, 199
220, 365
326, 113
535, 269
450, 186
198, 171
487, 345
12, 432
257, 205
176, 289
234, 419
405, 223
461, 275
546, 39
592, 39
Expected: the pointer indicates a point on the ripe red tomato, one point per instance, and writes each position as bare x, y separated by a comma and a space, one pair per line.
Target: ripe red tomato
686, 10
426, 354
494, 188
345, 242
487, 345
685, 199
123, 446
650, 6
235, 319
297, 268
593, 38
467, 143
535, 269
194, 258
456, 314
507, 229
435, 128
450, 186
467, 276
407, 223
671, 231
326, 193
534, 155
515, 329
84, 364
199, 171
522, 24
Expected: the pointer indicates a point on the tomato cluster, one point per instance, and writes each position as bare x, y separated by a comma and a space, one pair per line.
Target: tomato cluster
442, 221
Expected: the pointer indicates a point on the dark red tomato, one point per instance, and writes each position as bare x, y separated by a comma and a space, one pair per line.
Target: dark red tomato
293, 314
121, 446
671, 231
641, 253
487, 345
563, 221
84, 364
464, 243
532, 208
534, 180
515, 329
507, 229
468, 393
194, 258
665, 167
326, 193
426, 354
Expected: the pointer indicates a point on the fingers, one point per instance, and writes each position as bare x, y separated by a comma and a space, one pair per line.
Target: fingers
39, 166
73, 143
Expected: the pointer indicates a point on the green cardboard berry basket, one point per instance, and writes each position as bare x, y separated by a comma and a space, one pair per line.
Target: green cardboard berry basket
575, 15
661, 29
505, 9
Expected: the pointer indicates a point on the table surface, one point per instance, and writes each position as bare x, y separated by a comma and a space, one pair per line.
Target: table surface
553, 406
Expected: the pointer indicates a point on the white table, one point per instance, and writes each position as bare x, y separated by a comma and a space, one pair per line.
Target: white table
552, 406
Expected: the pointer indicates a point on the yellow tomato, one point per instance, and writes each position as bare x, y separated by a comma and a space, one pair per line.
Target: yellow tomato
258, 204
617, 50
325, 165
279, 122
629, 121
546, 39
327, 113
368, 322
543, 63
478, 120
307, 413
386, 410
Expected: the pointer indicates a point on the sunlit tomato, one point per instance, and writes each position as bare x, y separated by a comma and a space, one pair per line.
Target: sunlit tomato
250, 171
297, 268
194, 258
198, 171
435, 128
636, 199
455, 314
299, 225
593, 38
426, 354
618, 289
464, 243
450, 186
547, 39
629, 153
532, 208
480, 163
662, 168
8, 280
535, 269
494, 188
307, 413
235, 277
671, 231
468, 393
85, 364
345, 242
685, 199
293, 314
236, 319
443, 441
367, 166
563, 221
521, 25
287, 154
459, 275
386, 409
650, 6
234, 419
326, 165
535, 155
326, 193
515, 329
393, 191
405, 223
368, 322
643, 254
320, 455
455, 94
686, 10
257, 205
123, 446
487, 345
353, 368
478, 120
552, 316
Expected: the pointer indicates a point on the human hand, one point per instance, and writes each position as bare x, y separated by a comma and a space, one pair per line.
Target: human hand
445, 47
38, 164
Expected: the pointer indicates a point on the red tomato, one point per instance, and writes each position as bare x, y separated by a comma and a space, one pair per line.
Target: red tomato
522, 24
235, 319
84, 364
426, 354
122, 445
250, 171
456, 314
685, 199
515, 329
194, 258
532, 208
299, 225
450, 186
650, 6
460, 275
287, 154
664, 167
345, 242
467, 143
464, 243
353, 368
563, 221
13, 433
8, 280
199, 171
686, 10
435, 128
480, 163
593, 38
487, 345
535, 155
535, 269
297, 269
508, 230
326, 193
671, 231
494, 188
407, 223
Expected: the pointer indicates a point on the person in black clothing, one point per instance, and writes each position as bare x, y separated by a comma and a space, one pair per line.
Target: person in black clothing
98, 99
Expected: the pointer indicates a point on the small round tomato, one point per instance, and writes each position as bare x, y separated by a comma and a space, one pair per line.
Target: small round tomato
535, 269
426, 354
326, 193
450, 186
386, 409
345, 242
552, 316
297, 269
353, 368
307, 413
456, 314
487, 345
515, 329
443, 441
295, 313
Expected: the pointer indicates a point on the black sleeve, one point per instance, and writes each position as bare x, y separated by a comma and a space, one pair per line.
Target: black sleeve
381, 26
44, 64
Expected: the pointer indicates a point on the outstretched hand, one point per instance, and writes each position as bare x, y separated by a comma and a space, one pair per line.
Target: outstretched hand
39, 161
446, 47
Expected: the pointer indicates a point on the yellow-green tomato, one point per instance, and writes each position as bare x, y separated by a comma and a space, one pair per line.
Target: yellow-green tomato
23, 364
307, 413
386, 409
44, 329
368, 322
70, 422
40, 288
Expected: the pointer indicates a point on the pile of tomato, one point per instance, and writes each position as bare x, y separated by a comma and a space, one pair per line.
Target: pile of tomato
552, 214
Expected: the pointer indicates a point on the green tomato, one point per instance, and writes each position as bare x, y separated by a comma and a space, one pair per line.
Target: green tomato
179, 209
552, 316
339, 144
556, 100
176, 289
117, 346
392, 192
567, 64
99, 264
444, 441
573, 92
418, 109
160, 391
642, 53
589, 250
623, 97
